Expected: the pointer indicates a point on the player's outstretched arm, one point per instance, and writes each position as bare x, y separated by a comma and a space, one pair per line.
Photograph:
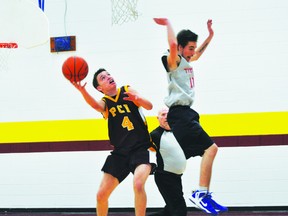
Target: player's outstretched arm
200, 50
134, 96
173, 57
97, 105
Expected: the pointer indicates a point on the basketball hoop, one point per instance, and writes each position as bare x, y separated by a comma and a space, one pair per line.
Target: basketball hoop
5, 50
124, 11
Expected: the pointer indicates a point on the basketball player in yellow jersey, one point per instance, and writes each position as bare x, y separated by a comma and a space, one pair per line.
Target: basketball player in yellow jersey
128, 134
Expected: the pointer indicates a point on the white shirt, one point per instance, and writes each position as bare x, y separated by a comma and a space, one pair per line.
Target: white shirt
174, 159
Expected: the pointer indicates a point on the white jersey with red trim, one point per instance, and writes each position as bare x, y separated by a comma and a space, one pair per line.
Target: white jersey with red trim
180, 85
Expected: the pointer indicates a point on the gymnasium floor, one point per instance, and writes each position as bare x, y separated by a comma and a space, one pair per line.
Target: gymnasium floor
283, 212
131, 214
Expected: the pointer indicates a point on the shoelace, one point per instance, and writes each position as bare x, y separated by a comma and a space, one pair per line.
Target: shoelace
209, 195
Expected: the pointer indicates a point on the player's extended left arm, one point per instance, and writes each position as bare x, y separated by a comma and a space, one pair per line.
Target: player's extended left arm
132, 95
146, 104
200, 50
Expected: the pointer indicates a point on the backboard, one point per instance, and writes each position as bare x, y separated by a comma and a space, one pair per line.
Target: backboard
23, 22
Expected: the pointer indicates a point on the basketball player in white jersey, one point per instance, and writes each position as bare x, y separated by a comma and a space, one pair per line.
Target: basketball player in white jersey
183, 120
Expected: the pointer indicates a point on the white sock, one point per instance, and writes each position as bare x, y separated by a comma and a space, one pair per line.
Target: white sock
201, 188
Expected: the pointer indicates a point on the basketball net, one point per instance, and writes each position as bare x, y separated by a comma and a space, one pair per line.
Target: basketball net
124, 11
5, 50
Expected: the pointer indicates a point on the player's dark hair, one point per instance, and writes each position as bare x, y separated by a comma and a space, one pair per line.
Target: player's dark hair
95, 81
185, 36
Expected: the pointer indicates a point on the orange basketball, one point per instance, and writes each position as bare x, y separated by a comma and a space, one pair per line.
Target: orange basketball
75, 68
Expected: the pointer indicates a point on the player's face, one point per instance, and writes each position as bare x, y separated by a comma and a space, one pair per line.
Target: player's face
189, 50
105, 81
162, 118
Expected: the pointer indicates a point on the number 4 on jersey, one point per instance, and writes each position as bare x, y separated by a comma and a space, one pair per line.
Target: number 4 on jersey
126, 123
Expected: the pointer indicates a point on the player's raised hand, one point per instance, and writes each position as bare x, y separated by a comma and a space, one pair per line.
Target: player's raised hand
131, 96
161, 21
209, 26
79, 86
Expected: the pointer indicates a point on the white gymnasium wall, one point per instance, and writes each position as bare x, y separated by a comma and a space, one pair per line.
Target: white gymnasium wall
244, 64
243, 70
243, 176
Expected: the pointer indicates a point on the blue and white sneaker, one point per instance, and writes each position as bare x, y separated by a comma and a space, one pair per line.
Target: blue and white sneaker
217, 206
202, 200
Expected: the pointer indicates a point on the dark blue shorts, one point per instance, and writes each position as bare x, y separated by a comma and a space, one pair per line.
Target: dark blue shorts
186, 128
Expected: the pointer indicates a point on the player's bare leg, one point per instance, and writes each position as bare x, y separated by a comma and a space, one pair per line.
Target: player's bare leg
108, 184
140, 176
202, 198
206, 166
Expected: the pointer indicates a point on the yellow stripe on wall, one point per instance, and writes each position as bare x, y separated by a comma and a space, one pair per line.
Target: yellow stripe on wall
45, 131
242, 124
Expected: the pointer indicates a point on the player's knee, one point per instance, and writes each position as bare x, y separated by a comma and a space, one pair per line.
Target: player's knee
101, 196
138, 185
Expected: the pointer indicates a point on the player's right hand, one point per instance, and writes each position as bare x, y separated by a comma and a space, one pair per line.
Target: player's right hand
79, 86
161, 21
